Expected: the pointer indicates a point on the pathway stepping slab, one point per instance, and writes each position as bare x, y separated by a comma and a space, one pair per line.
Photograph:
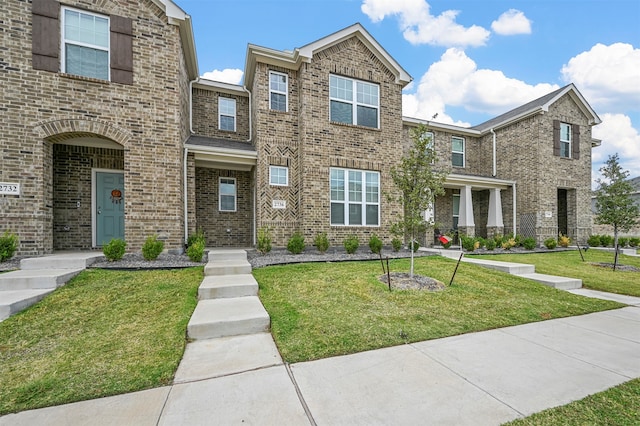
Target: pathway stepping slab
224, 286
14, 301
554, 281
36, 279
230, 267
228, 317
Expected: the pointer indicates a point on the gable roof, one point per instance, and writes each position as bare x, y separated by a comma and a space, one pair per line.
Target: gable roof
294, 59
540, 105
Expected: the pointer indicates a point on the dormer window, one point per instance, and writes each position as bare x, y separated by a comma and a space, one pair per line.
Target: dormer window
354, 102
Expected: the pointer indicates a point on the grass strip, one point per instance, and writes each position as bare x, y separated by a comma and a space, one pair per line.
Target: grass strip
104, 333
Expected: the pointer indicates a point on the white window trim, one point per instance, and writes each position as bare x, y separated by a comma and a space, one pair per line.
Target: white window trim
235, 194
354, 102
346, 201
454, 215
220, 114
285, 93
286, 169
432, 144
463, 152
63, 40
564, 141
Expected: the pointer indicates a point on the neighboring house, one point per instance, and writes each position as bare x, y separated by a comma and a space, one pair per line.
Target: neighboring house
110, 133
608, 229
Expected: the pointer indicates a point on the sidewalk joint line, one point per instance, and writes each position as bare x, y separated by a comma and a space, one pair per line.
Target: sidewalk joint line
300, 396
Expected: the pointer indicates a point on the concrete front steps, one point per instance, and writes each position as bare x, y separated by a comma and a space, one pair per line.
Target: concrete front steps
519, 269
228, 299
38, 277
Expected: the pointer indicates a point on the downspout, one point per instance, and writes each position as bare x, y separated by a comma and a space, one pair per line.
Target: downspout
514, 209
184, 166
255, 185
494, 153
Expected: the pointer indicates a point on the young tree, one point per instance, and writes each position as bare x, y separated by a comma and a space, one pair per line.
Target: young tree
418, 184
613, 200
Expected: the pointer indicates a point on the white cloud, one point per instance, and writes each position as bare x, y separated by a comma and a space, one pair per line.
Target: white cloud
512, 22
608, 76
618, 136
455, 80
229, 75
420, 27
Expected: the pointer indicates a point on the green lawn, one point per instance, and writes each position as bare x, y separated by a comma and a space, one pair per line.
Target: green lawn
326, 309
569, 264
104, 333
617, 406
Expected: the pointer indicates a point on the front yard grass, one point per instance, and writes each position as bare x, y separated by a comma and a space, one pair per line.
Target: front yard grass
569, 264
104, 333
619, 405
320, 310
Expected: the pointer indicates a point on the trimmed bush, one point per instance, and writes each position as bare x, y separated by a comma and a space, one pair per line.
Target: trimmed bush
415, 246
529, 243
622, 241
498, 240
593, 240
152, 248
468, 243
264, 240
375, 244
296, 243
195, 251
351, 244
8, 245
321, 242
634, 242
606, 240
490, 244
550, 243
114, 249
194, 238
396, 244
508, 244
564, 241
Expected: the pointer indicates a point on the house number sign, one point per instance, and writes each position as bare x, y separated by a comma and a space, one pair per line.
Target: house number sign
9, 188
279, 204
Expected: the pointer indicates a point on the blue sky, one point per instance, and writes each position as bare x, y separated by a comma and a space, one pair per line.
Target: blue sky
470, 60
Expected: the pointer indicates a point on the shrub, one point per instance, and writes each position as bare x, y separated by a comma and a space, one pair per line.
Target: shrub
606, 240
197, 237
508, 244
593, 240
152, 248
396, 244
195, 251
529, 243
480, 242
321, 242
634, 242
375, 244
351, 244
498, 240
114, 249
490, 244
264, 240
415, 246
8, 245
550, 243
564, 241
468, 243
622, 241
296, 243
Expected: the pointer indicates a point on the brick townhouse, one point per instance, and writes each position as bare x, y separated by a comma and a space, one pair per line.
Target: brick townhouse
109, 133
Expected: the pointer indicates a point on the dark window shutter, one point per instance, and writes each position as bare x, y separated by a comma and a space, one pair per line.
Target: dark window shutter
45, 35
575, 141
121, 50
556, 138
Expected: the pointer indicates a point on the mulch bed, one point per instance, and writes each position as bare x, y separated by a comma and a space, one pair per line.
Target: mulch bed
625, 268
402, 281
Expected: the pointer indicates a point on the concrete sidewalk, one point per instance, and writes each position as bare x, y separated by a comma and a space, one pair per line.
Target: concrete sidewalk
482, 378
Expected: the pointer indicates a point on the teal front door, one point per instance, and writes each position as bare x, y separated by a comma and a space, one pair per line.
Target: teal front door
109, 207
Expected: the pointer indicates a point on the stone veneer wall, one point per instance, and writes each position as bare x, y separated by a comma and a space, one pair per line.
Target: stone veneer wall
146, 118
224, 229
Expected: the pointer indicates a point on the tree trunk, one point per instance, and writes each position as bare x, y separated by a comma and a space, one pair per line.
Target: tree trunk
411, 248
615, 244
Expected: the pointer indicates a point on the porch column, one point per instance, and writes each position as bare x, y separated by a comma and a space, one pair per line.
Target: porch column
495, 224
466, 225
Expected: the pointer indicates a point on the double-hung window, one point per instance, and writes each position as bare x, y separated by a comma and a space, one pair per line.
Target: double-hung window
85, 44
279, 175
278, 91
227, 195
355, 197
431, 146
354, 102
457, 151
565, 140
227, 114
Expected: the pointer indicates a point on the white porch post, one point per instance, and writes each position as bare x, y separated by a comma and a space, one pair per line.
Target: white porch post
495, 209
466, 207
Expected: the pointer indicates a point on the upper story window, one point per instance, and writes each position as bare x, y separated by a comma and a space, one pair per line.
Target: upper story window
227, 195
457, 151
227, 114
431, 145
355, 197
85, 44
278, 175
278, 91
361, 109
565, 140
